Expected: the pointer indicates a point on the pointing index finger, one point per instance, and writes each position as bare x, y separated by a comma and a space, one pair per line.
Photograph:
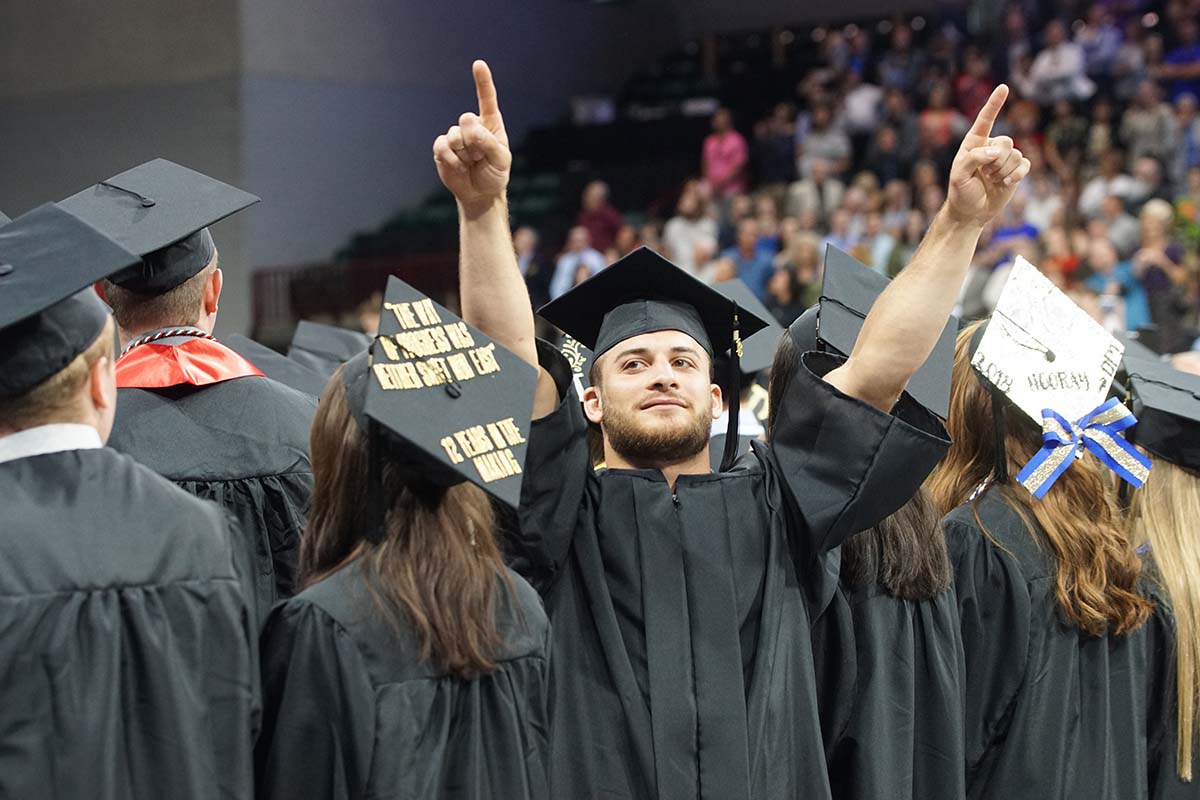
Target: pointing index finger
990, 111
485, 90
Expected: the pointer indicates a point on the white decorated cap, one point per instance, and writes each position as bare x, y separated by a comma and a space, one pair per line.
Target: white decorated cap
1043, 351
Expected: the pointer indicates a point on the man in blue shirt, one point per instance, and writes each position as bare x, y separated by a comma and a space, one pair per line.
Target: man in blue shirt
755, 265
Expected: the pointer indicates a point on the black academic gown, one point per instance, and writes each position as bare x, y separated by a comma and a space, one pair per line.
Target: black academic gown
1050, 712
890, 676
127, 638
682, 653
350, 711
242, 443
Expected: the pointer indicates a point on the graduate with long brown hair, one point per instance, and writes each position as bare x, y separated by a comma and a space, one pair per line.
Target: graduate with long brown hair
414, 663
1051, 602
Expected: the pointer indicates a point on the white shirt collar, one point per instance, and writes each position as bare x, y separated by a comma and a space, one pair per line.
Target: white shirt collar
45, 439
748, 424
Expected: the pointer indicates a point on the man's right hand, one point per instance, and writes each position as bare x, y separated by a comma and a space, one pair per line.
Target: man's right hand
472, 157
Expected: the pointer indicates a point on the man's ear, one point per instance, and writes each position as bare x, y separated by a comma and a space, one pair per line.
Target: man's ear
102, 384
212, 291
593, 405
718, 403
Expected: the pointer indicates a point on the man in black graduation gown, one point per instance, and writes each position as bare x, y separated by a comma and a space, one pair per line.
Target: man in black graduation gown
127, 657
679, 598
190, 408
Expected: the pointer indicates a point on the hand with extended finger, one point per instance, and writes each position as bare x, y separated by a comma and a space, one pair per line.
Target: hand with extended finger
472, 157
986, 169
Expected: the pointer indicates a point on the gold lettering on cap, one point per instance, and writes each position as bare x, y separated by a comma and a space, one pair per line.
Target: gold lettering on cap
485, 359
427, 312
460, 335
460, 365
404, 314
389, 348
510, 431
497, 466
451, 449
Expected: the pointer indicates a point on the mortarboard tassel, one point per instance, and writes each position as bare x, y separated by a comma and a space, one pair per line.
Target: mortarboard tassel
733, 382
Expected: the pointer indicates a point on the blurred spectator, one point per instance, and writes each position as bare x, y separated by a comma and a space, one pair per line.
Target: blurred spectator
862, 103
1014, 47
598, 216
1100, 39
941, 125
1043, 199
368, 313
840, 233
1159, 267
1058, 70
752, 263
1060, 260
906, 247
537, 277
1148, 126
876, 245
766, 213
901, 65
1122, 228
898, 114
1149, 182
1187, 140
579, 258
974, 85
821, 158
690, 237
625, 243
774, 148
725, 156
884, 158
740, 207
1066, 138
1181, 67
785, 296
801, 255
897, 201
650, 235
1112, 276
1110, 180
1129, 67
1102, 134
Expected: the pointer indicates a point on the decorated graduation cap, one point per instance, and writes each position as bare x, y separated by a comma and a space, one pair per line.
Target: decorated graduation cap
161, 211
645, 293
48, 312
1167, 404
277, 366
435, 392
323, 348
848, 292
1043, 354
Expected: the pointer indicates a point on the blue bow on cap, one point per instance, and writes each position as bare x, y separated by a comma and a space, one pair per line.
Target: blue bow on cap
1098, 432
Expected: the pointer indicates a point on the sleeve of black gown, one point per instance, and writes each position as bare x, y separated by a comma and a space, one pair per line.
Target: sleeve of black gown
557, 468
994, 610
318, 709
845, 464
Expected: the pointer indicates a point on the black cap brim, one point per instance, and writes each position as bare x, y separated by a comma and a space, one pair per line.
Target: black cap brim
1166, 402
323, 348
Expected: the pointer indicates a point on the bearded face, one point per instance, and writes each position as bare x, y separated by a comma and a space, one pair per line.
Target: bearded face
655, 400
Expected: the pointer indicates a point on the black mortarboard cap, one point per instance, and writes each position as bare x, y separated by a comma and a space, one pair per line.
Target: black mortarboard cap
643, 293
277, 366
161, 211
758, 350
1166, 402
1135, 347
848, 292
323, 348
436, 391
47, 257
4, 218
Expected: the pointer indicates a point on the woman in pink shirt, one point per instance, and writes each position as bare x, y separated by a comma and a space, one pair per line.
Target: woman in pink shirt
725, 155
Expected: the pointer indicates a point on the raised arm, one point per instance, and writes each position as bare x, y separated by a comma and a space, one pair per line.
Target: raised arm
907, 319
474, 162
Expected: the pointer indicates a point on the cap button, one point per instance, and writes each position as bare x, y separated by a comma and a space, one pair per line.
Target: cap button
148, 202
5, 269
454, 390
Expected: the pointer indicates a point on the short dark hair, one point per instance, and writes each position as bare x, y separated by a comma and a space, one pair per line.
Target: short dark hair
175, 307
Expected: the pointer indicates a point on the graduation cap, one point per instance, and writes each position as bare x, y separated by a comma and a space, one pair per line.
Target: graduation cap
1166, 402
161, 211
1046, 356
323, 348
4, 219
47, 257
645, 293
849, 290
277, 366
437, 392
1134, 347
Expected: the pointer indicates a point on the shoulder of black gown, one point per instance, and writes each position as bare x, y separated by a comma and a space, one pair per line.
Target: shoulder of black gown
994, 608
240, 428
319, 708
558, 469
846, 464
